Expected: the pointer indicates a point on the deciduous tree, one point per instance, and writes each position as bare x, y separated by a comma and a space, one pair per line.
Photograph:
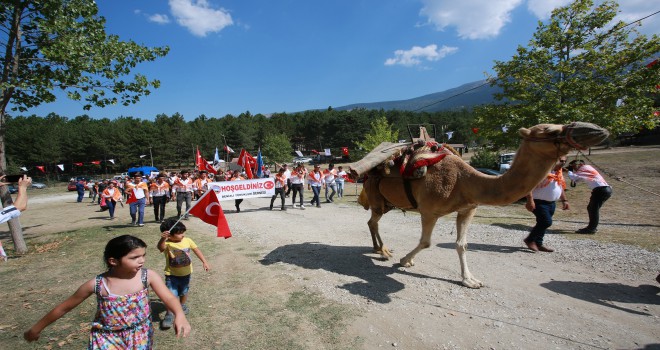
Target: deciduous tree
579, 66
62, 44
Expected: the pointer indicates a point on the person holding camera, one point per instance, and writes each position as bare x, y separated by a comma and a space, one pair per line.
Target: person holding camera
600, 191
20, 204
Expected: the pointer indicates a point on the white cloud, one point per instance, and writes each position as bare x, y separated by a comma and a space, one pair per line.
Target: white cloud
158, 18
415, 55
542, 9
199, 17
632, 10
473, 19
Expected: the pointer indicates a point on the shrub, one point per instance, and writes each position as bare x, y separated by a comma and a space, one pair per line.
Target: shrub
484, 159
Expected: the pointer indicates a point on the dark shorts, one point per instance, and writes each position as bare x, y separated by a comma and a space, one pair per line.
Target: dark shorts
178, 285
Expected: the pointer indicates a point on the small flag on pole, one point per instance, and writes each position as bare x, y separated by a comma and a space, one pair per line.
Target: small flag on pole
208, 209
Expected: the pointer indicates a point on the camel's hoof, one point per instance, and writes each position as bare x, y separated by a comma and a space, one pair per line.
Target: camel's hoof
406, 263
472, 283
386, 253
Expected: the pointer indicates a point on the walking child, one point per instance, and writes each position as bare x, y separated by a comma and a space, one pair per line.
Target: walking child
178, 264
123, 314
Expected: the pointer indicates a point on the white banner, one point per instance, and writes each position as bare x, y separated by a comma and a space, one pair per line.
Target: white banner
299, 154
228, 190
327, 152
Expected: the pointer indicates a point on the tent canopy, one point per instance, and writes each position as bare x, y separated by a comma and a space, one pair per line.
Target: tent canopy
146, 170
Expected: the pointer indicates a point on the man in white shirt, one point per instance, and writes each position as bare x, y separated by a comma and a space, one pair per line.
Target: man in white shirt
542, 202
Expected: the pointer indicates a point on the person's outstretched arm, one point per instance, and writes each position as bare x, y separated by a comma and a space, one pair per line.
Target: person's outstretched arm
22, 198
60, 310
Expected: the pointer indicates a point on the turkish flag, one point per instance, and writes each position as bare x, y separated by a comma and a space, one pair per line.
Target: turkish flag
131, 197
96, 162
475, 130
247, 161
209, 210
41, 167
202, 164
348, 178
344, 151
78, 164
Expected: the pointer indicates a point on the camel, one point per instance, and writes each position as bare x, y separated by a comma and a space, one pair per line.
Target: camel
452, 185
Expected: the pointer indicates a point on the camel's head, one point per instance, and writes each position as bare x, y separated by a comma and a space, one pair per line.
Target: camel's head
574, 135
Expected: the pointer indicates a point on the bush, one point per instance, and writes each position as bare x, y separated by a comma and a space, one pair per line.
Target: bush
484, 159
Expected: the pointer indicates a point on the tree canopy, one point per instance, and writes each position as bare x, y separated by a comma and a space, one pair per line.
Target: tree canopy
62, 44
579, 66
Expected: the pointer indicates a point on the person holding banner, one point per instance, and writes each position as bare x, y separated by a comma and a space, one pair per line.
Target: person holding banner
236, 176
316, 181
280, 187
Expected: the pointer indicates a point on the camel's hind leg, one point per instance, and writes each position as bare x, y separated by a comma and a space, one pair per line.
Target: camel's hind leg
462, 221
428, 223
379, 247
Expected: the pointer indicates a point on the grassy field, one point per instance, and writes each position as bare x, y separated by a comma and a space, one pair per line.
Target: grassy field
246, 307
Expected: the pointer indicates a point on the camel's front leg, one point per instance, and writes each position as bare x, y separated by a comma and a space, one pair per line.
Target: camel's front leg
379, 247
462, 221
428, 223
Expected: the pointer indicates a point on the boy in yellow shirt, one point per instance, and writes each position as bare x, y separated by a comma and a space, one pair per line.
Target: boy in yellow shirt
178, 263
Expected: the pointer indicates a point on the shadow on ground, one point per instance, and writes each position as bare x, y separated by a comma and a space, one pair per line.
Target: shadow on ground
608, 294
376, 282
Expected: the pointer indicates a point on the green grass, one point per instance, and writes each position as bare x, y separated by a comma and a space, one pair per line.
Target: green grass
240, 306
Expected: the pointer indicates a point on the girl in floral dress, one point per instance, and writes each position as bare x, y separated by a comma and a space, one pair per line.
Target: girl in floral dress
123, 314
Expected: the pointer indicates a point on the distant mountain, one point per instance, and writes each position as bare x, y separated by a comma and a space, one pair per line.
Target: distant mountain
465, 96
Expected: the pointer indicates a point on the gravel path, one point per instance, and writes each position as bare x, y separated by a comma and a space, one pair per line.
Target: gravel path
586, 295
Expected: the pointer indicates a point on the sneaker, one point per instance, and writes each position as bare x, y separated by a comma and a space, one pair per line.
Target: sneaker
586, 230
167, 321
141, 225
302, 207
271, 207
295, 205
283, 209
185, 309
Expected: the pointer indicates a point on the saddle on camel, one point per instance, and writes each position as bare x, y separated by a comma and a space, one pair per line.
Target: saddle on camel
429, 178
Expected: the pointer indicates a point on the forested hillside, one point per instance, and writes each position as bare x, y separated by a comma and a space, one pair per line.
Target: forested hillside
86, 145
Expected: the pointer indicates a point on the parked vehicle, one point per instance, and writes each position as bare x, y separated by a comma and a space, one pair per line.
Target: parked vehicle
38, 185
504, 163
71, 186
12, 188
489, 171
302, 160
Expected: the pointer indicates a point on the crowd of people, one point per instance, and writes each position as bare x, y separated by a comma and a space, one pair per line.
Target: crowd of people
184, 187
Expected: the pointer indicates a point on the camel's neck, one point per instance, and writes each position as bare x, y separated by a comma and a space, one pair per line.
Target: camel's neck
527, 170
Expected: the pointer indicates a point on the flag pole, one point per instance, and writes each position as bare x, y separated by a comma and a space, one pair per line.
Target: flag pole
191, 207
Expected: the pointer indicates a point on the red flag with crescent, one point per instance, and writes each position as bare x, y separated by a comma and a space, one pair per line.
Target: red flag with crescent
209, 210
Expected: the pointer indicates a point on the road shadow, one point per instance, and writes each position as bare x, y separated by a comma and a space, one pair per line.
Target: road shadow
487, 248
376, 282
606, 294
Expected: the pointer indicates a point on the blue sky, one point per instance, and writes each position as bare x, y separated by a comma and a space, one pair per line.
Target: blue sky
268, 56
